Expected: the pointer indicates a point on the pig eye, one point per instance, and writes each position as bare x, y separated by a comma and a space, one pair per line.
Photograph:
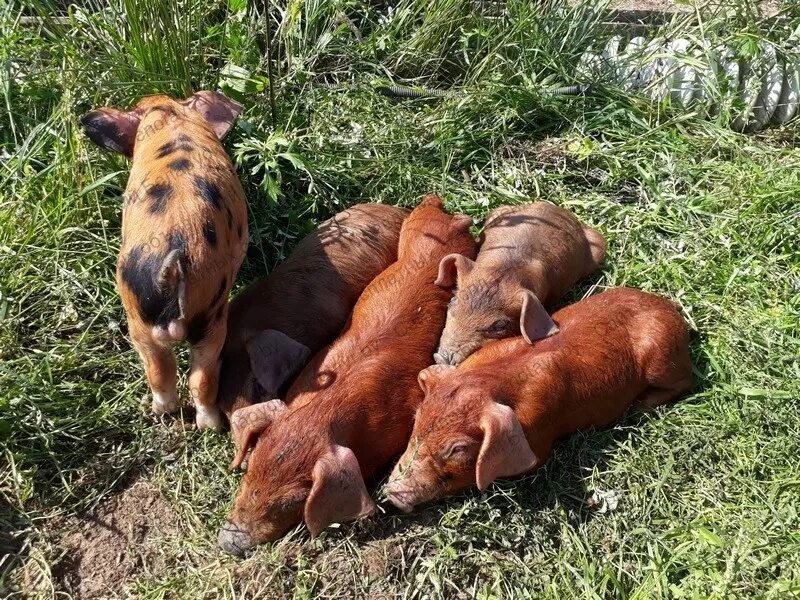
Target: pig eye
498, 328
455, 451
288, 503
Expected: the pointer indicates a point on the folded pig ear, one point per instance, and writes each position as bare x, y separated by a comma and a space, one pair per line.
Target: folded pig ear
451, 267
534, 322
274, 357
505, 450
338, 493
430, 375
112, 129
248, 423
219, 110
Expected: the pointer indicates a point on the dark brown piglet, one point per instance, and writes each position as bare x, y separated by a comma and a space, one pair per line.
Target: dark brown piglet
499, 413
184, 235
276, 324
352, 407
530, 256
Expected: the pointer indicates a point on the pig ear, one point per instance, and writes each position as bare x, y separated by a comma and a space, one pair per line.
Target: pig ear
461, 223
451, 267
248, 423
112, 129
274, 357
338, 493
430, 375
534, 322
432, 200
219, 110
505, 450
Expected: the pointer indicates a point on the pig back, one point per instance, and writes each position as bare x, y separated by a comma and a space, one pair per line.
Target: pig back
541, 238
309, 296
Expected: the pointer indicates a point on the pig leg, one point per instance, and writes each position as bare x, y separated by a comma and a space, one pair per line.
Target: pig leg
159, 364
204, 375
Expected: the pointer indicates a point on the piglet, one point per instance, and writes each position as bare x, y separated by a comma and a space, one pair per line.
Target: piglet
499, 412
276, 324
530, 255
352, 407
184, 235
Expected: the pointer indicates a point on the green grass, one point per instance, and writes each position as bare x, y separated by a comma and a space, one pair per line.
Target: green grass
707, 490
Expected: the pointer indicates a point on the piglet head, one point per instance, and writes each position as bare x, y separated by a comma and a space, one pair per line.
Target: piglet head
117, 131
461, 437
290, 479
486, 306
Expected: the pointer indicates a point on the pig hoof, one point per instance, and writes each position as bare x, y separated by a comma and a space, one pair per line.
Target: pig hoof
164, 402
208, 419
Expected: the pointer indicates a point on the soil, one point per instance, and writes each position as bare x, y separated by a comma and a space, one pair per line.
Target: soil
107, 549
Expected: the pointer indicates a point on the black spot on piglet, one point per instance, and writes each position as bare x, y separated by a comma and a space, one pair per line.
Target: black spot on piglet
160, 193
139, 270
182, 142
210, 233
180, 164
208, 191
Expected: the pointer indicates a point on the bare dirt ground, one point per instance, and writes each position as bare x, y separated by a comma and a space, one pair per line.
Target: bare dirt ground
117, 542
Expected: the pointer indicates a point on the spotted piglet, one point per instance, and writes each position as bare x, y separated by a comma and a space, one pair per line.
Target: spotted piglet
184, 235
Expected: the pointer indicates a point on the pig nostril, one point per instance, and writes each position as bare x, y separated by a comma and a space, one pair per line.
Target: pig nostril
442, 358
401, 499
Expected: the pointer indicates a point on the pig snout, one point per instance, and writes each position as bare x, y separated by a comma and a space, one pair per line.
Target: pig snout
234, 540
448, 356
443, 357
400, 496
408, 484
456, 345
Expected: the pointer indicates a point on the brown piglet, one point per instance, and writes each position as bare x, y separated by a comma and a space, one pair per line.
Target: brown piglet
499, 412
276, 324
184, 236
352, 407
530, 255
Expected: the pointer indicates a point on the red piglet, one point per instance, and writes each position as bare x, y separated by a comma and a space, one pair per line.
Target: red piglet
352, 408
